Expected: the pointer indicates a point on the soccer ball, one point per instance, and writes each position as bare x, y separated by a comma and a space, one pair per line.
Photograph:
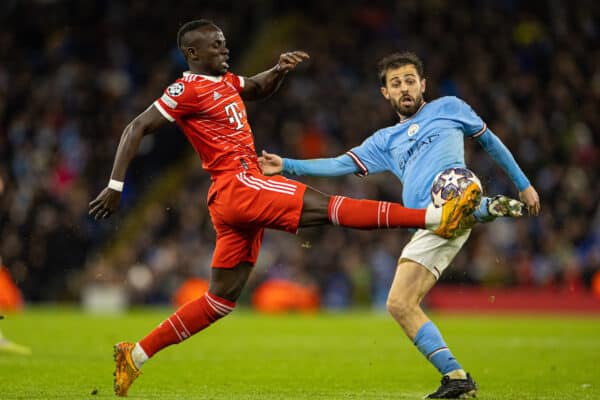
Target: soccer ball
451, 183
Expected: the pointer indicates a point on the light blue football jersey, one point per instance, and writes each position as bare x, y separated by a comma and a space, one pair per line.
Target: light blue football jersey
418, 148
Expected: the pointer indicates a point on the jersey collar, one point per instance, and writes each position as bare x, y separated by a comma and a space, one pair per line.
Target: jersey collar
209, 77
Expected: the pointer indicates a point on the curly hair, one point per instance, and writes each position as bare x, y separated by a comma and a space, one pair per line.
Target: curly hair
397, 60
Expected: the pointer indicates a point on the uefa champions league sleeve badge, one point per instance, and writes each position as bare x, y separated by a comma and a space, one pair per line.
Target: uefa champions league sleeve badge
175, 89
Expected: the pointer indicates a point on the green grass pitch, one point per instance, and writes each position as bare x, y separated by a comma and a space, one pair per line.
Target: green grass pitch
358, 355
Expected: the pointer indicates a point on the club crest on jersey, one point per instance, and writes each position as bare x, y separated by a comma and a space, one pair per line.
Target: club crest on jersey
175, 89
414, 128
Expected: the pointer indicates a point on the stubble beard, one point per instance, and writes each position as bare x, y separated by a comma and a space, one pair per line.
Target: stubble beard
405, 112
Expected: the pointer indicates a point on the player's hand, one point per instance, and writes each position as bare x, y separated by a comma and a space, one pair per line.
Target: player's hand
288, 61
105, 204
270, 164
531, 199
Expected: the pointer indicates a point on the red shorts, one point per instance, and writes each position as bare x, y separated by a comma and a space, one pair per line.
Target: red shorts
242, 205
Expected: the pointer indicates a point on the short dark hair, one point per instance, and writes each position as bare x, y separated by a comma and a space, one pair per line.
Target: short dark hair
397, 60
190, 26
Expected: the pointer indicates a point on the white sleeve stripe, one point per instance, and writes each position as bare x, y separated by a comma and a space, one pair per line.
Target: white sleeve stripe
481, 132
163, 112
242, 82
359, 163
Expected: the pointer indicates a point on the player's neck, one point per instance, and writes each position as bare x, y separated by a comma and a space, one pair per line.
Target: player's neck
201, 72
196, 69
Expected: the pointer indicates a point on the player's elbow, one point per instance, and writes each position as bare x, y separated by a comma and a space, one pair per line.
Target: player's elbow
136, 129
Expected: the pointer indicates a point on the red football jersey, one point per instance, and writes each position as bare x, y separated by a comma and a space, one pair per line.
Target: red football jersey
212, 115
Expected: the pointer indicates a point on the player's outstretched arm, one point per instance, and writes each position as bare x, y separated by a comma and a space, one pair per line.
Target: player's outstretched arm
108, 200
503, 157
264, 84
272, 164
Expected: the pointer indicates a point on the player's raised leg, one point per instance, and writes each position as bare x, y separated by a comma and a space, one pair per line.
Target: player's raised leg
225, 288
372, 214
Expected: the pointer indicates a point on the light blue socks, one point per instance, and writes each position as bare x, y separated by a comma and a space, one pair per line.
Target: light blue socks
430, 343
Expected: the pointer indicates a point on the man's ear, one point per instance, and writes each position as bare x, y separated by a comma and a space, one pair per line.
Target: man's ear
385, 93
190, 53
423, 85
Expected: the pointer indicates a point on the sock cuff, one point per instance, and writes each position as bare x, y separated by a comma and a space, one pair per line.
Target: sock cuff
139, 355
433, 217
482, 213
220, 305
333, 209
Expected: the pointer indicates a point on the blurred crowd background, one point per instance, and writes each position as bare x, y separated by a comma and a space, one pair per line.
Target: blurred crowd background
73, 74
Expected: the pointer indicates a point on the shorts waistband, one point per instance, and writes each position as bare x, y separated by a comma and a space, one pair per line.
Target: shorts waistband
243, 165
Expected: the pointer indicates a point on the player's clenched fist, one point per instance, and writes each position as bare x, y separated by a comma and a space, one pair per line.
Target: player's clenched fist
288, 61
270, 164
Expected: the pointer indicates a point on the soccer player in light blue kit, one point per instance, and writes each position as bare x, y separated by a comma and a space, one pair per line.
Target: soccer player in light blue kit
427, 140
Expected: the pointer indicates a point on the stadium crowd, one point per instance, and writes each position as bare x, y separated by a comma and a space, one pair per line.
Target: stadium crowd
73, 74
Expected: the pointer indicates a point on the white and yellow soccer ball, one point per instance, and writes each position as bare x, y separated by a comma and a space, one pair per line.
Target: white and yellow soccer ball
451, 183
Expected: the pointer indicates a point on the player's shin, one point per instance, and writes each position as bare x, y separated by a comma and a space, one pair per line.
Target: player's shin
186, 321
370, 214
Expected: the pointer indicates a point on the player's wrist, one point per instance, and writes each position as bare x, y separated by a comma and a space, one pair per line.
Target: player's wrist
115, 185
279, 70
285, 165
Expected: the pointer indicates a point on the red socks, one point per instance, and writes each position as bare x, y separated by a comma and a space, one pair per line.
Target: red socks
190, 318
371, 214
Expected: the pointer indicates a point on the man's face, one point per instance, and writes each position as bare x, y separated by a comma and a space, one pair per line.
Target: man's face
404, 89
208, 51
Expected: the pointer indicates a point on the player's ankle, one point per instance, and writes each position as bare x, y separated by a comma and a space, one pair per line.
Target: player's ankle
433, 217
482, 214
457, 374
139, 356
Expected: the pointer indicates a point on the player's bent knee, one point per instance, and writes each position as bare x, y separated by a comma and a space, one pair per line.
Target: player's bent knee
401, 307
228, 283
314, 209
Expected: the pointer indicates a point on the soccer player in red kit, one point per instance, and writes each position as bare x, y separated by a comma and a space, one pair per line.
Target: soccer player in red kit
206, 103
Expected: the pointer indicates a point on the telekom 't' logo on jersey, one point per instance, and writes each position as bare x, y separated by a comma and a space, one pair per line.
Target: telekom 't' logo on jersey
235, 115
